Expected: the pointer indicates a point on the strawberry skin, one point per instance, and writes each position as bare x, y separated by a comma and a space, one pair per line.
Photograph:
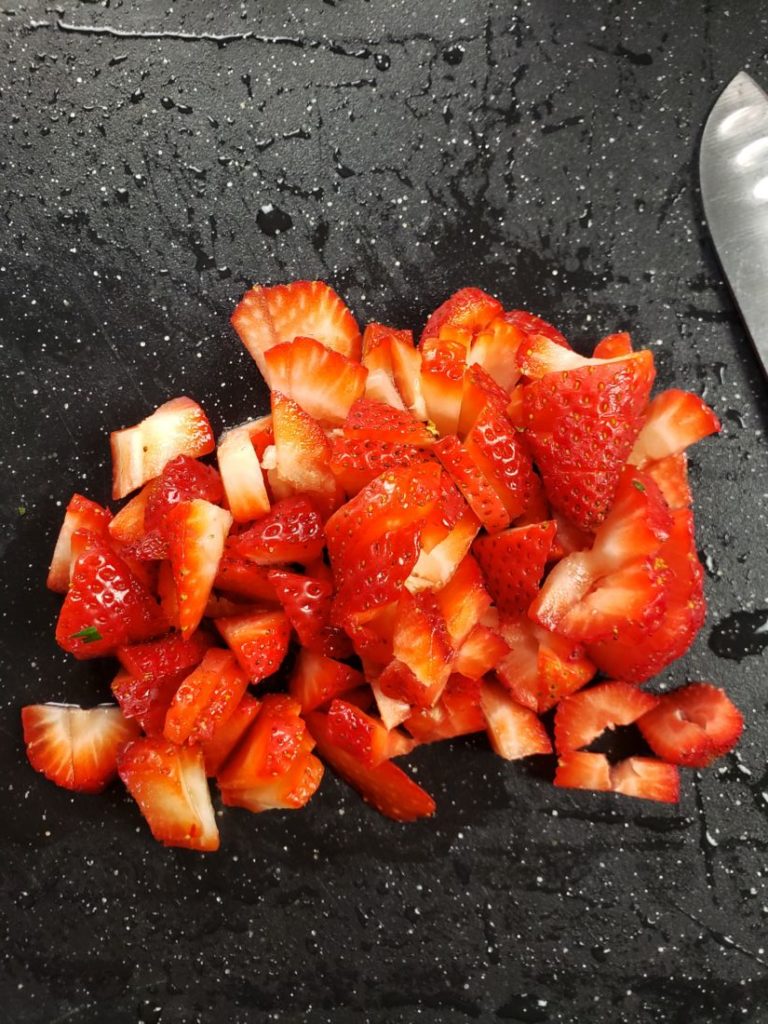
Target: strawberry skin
106, 605
205, 699
316, 679
227, 735
182, 479
493, 446
356, 462
583, 716
81, 514
259, 641
168, 783
469, 309
307, 602
613, 346
73, 747
369, 420
474, 486
197, 531
291, 532
324, 383
513, 563
692, 726
165, 657
146, 701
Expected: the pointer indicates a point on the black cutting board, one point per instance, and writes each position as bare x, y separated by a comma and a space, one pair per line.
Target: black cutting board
543, 151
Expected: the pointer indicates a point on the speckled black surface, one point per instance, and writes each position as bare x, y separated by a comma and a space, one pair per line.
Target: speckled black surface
545, 151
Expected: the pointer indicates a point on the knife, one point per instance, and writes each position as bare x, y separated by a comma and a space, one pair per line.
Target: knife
733, 169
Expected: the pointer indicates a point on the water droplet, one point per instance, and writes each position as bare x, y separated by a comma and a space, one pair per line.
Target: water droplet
273, 221
137, 96
382, 61
454, 55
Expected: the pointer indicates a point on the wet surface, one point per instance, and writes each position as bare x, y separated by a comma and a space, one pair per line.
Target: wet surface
155, 161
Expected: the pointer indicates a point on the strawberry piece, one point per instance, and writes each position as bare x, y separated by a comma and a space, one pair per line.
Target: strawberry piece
386, 786
468, 309
406, 370
292, 532
378, 335
682, 617
494, 350
514, 731
479, 391
378, 342
422, 644
286, 792
355, 462
169, 785
307, 603
584, 716
443, 549
106, 605
81, 514
568, 538
457, 713
580, 425
369, 420
513, 563
205, 698
442, 381
636, 776
367, 739
376, 577
480, 652
146, 701
241, 474
179, 427
316, 680
182, 479
538, 509
197, 531
74, 747
259, 641
228, 734
493, 446
266, 317
324, 383
127, 526
674, 420
244, 578
535, 327
477, 491
613, 346
671, 477
392, 712
302, 453
463, 600
165, 657
166, 593
692, 726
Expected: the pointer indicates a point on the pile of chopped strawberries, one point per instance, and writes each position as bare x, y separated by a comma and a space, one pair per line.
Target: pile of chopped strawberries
419, 542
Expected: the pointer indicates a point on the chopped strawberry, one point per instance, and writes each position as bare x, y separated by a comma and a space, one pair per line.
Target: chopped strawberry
179, 427
386, 786
423, 645
307, 603
674, 420
580, 425
127, 526
478, 492
369, 420
534, 326
259, 641
377, 335
671, 476
146, 701
584, 716
392, 712
324, 383
443, 549
513, 563
266, 317
81, 514
636, 776
371, 633
303, 453
220, 607
463, 600
493, 446
288, 791
514, 731
613, 346
376, 576
443, 363
479, 390
469, 309
205, 698
316, 680
196, 531
367, 739
356, 462
106, 605
169, 785
228, 734
291, 532
74, 747
568, 538
692, 726
241, 475
538, 509
494, 350
406, 369
244, 578
380, 383
182, 479
480, 652
165, 657
457, 713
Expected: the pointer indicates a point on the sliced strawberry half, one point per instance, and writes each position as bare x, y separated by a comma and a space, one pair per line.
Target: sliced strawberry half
288, 791
584, 716
494, 350
674, 420
81, 514
196, 531
692, 726
316, 680
386, 786
380, 384
106, 605
139, 453
168, 783
266, 317
241, 474
480, 390
205, 698
477, 491
291, 532
302, 454
514, 731
228, 734
307, 602
513, 563
244, 579
324, 383
259, 641
75, 747
406, 369
641, 777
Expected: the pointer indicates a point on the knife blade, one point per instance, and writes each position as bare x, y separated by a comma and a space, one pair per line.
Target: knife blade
733, 170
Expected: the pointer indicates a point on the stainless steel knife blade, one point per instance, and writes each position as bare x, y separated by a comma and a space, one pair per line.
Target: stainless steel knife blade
733, 168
